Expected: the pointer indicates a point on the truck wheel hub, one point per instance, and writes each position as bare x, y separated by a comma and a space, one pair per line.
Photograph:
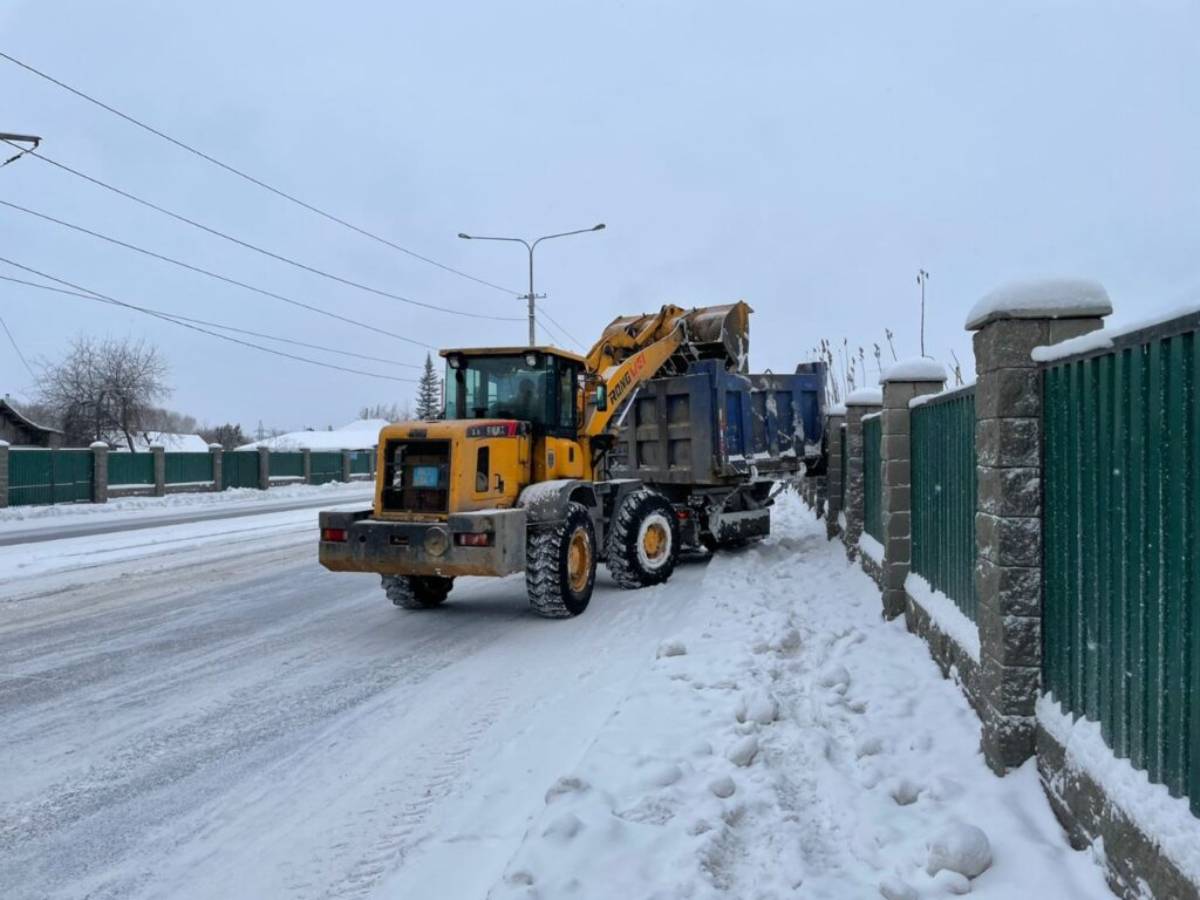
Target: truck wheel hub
654, 541
579, 560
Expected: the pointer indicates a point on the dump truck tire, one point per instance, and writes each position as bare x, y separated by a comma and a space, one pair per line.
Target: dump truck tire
560, 565
644, 544
417, 591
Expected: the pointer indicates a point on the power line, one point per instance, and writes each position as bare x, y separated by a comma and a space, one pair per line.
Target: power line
12, 340
211, 274
223, 327
279, 257
250, 178
571, 337
104, 298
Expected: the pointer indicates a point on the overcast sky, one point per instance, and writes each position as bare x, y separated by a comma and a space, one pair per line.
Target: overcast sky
807, 158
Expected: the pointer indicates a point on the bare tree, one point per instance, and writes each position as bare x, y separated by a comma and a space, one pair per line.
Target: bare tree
229, 435
104, 390
392, 412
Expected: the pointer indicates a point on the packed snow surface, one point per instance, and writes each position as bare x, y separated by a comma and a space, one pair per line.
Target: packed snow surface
1053, 298
919, 368
865, 397
231, 720
1105, 338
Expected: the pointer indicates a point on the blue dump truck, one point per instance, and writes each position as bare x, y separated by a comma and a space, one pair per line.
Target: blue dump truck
717, 443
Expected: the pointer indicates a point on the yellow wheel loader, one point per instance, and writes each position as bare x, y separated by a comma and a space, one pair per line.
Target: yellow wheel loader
519, 475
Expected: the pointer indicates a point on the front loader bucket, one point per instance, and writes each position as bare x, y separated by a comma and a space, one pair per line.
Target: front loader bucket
713, 332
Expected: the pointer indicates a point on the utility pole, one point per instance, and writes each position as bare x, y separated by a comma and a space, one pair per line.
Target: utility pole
922, 278
13, 140
531, 296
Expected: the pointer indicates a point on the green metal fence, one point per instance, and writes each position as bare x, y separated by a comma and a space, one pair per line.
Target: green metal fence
130, 468
49, 476
286, 465
239, 468
845, 470
943, 496
326, 466
872, 430
360, 462
1122, 548
189, 468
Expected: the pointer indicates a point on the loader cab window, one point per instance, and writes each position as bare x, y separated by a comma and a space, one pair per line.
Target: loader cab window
531, 387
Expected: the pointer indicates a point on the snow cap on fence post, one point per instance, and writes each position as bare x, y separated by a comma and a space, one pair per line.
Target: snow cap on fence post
99, 471
1008, 323
859, 403
902, 382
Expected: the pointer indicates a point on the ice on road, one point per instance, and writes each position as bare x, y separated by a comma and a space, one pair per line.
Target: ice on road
233, 721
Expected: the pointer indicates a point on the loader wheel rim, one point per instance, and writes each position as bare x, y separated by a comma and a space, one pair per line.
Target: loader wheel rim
579, 560
654, 541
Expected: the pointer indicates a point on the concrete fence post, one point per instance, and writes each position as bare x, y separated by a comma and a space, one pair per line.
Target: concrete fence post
858, 404
3, 474
903, 382
306, 461
264, 469
160, 470
833, 471
99, 472
217, 452
346, 465
1008, 513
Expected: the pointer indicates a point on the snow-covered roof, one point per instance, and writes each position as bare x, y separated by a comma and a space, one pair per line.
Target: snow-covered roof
361, 434
172, 443
918, 368
1053, 298
865, 397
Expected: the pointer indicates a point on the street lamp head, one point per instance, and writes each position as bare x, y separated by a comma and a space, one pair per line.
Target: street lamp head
599, 227
465, 237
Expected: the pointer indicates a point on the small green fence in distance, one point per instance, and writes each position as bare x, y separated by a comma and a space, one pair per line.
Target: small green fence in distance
360, 462
239, 468
286, 465
130, 469
188, 468
326, 466
39, 476
872, 430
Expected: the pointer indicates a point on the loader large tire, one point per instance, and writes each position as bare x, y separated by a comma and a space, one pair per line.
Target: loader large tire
417, 591
560, 565
644, 544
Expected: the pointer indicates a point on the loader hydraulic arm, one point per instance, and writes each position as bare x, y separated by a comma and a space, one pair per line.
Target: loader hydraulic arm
621, 379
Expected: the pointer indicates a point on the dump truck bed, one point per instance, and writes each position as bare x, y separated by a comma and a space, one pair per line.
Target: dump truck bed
713, 427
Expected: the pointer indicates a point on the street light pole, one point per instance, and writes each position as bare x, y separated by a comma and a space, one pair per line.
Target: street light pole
922, 278
531, 296
14, 139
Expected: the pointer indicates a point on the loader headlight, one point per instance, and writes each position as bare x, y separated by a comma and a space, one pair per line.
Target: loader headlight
437, 540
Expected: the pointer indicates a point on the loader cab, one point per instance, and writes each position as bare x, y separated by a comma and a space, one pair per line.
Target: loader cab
538, 385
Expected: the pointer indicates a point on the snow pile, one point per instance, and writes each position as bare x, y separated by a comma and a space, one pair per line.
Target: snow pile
945, 614
1104, 338
865, 397
1167, 819
1054, 298
919, 368
362, 434
801, 747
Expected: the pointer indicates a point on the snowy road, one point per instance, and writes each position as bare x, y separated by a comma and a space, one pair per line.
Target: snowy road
205, 716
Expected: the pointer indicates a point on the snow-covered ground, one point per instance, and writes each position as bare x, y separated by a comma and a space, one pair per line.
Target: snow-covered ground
233, 721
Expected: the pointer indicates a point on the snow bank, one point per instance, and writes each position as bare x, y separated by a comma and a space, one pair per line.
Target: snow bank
1166, 819
945, 614
918, 368
1050, 297
865, 397
801, 748
871, 548
1105, 338
362, 434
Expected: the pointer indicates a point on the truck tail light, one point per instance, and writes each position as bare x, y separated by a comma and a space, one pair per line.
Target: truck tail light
683, 514
473, 539
334, 535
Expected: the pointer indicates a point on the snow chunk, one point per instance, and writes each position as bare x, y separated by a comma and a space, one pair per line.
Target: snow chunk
743, 752
960, 848
918, 368
722, 787
566, 785
834, 675
865, 397
672, 647
949, 619
893, 888
760, 708
1054, 298
564, 827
